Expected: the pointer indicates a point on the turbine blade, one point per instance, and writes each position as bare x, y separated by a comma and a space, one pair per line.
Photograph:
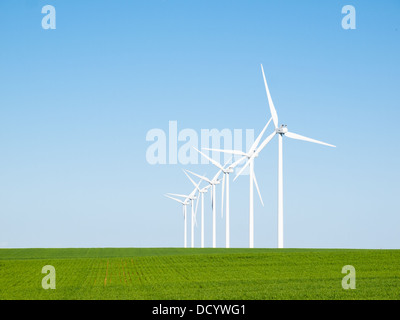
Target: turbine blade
257, 141
233, 165
216, 176
177, 200
199, 176
227, 151
241, 170
177, 195
194, 183
195, 189
265, 142
226, 163
258, 190
197, 205
299, 137
215, 163
271, 104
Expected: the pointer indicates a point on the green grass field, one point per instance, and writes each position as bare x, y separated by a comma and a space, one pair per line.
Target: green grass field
129, 273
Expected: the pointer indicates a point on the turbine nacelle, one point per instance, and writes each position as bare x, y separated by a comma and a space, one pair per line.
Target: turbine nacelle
282, 129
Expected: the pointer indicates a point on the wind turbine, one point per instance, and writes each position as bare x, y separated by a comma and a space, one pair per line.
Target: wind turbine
251, 154
184, 204
213, 182
226, 172
281, 131
190, 197
201, 192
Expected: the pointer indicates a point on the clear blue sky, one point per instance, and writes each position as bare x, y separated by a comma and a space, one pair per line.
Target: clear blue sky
77, 102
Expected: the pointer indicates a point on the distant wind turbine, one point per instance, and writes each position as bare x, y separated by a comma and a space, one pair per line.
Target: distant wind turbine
184, 204
191, 197
202, 191
213, 182
226, 172
251, 154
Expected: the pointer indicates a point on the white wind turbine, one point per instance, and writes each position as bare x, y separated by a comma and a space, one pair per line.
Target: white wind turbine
213, 182
251, 154
184, 204
201, 192
281, 131
226, 172
191, 197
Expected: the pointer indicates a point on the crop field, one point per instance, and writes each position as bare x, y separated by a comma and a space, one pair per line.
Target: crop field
169, 273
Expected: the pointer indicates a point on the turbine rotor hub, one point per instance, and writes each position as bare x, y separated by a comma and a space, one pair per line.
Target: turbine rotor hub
282, 129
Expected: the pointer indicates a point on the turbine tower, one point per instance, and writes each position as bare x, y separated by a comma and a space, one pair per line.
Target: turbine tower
184, 204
